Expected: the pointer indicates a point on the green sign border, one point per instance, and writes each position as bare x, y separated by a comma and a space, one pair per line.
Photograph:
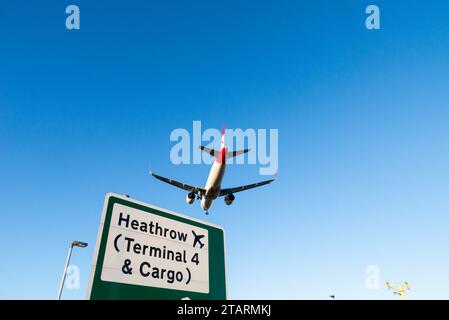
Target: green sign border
105, 290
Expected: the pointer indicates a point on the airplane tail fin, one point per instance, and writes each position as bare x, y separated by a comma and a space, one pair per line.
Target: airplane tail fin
222, 143
223, 154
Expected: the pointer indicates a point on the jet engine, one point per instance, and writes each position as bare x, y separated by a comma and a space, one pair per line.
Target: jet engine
229, 199
190, 198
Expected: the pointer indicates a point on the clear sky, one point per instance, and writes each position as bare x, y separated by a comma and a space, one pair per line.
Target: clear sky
363, 119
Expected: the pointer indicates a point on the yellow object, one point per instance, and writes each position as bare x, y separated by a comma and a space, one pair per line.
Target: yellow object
399, 290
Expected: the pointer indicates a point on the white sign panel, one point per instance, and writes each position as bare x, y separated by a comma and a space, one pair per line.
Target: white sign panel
150, 250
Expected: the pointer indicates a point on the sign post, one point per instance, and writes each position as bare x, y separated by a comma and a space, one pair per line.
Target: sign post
145, 252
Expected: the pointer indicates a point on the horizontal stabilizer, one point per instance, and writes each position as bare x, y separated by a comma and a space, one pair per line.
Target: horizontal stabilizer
231, 154
214, 153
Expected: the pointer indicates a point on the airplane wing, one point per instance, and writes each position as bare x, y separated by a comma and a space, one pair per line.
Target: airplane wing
227, 191
197, 190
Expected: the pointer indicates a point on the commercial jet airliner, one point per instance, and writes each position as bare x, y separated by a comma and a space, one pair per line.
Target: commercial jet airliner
213, 189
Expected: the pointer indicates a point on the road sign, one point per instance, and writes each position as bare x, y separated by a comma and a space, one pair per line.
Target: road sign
146, 252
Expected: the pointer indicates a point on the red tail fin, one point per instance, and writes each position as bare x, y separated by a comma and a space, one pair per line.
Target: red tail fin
222, 157
223, 130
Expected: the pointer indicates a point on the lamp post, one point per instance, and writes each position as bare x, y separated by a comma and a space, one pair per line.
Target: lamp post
72, 244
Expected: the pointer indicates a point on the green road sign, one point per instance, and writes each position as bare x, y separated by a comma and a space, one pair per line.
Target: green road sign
145, 252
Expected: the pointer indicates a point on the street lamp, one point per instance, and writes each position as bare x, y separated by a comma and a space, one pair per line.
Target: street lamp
79, 244
72, 244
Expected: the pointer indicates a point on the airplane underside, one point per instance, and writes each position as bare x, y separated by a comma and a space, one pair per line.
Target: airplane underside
213, 189
206, 203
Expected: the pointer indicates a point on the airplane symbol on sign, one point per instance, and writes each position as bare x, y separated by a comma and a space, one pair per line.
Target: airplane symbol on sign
197, 239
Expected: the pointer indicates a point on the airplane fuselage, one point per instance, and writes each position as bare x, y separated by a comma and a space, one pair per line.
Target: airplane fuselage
213, 183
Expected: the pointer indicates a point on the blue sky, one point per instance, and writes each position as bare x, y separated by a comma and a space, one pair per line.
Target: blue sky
363, 137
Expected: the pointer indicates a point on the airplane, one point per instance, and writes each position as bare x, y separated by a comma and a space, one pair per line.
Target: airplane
399, 290
213, 189
197, 240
